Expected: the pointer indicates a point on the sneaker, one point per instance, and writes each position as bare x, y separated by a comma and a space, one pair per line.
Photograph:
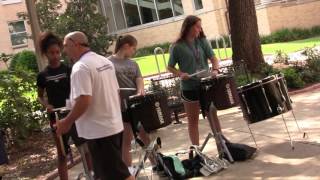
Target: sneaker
132, 170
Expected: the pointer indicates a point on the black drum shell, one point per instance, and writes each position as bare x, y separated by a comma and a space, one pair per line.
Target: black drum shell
146, 110
264, 99
221, 91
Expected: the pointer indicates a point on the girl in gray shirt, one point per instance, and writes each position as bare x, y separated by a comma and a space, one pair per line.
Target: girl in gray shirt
129, 76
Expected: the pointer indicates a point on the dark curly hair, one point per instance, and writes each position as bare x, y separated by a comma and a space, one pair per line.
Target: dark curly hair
48, 39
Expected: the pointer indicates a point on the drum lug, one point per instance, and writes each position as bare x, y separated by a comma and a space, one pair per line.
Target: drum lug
265, 96
279, 109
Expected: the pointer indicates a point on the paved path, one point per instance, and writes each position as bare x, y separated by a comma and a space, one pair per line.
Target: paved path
275, 159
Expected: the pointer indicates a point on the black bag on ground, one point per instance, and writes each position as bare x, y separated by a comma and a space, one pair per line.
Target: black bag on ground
240, 152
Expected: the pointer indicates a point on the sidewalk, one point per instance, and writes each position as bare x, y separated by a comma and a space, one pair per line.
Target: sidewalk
275, 159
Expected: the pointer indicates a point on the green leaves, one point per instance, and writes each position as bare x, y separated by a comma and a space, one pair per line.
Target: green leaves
78, 16
19, 109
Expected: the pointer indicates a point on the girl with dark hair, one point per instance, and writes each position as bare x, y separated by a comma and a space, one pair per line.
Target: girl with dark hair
129, 76
53, 89
191, 52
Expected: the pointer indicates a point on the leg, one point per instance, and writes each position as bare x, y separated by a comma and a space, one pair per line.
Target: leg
107, 159
126, 144
192, 110
62, 160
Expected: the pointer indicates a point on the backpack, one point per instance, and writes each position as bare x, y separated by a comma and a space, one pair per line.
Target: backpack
240, 152
171, 165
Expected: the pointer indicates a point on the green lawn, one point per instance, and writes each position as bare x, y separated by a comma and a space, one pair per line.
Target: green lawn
148, 64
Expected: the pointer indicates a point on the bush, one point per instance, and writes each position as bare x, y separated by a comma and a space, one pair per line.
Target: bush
281, 57
19, 109
315, 31
293, 78
214, 42
149, 50
285, 35
24, 60
311, 71
267, 70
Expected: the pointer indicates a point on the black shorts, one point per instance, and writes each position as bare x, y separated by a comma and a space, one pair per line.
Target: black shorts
126, 116
107, 157
196, 96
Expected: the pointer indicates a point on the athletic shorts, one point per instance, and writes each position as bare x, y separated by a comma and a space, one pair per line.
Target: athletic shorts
195, 96
107, 158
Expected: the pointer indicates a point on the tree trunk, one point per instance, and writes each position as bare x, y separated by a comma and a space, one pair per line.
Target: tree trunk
244, 34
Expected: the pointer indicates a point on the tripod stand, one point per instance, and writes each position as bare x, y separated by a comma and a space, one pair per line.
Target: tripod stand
216, 135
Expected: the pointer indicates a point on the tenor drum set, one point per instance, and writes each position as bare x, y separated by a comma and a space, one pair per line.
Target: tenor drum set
258, 101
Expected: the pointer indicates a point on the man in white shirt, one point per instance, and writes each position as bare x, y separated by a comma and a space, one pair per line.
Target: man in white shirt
95, 107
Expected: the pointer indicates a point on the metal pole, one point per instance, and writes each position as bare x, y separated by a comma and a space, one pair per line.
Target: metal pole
35, 30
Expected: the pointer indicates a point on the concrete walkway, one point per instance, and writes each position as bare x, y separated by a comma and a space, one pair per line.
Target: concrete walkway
275, 159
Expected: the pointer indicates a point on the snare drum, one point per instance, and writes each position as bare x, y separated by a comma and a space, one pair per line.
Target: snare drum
151, 110
264, 99
220, 90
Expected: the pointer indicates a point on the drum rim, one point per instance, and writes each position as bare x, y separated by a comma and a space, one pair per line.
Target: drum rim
260, 83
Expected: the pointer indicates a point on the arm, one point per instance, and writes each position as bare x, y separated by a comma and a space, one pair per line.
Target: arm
140, 85
215, 65
176, 72
43, 100
81, 105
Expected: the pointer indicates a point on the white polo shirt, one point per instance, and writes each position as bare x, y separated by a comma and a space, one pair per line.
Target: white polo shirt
94, 75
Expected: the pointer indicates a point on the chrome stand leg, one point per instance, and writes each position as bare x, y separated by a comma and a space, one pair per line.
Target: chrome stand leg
150, 150
252, 136
305, 135
218, 136
83, 149
291, 142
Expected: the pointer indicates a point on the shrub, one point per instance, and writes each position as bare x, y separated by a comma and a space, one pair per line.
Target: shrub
311, 71
18, 105
149, 50
293, 78
214, 42
285, 35
267, 70
315, 31
24, 60
281, 57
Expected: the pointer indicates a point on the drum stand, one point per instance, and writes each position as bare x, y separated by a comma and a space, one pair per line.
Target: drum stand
150, 151
217, 136
280, 110
83, 149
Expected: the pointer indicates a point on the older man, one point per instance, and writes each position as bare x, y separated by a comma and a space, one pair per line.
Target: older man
95, 107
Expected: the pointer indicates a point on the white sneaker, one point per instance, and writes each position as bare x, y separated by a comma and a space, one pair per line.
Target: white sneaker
132, 170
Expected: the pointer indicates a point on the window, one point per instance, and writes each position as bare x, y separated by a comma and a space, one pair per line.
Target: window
198, 4
132, 13
9, 1
18, 34
148, 11
123, 14
164, 9
177, 7
118, 14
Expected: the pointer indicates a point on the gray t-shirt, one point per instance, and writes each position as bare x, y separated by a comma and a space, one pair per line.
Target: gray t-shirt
127, 71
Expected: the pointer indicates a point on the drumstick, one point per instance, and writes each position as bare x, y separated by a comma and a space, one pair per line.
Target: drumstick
60, 109
60, 140
127, 89
199, 72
